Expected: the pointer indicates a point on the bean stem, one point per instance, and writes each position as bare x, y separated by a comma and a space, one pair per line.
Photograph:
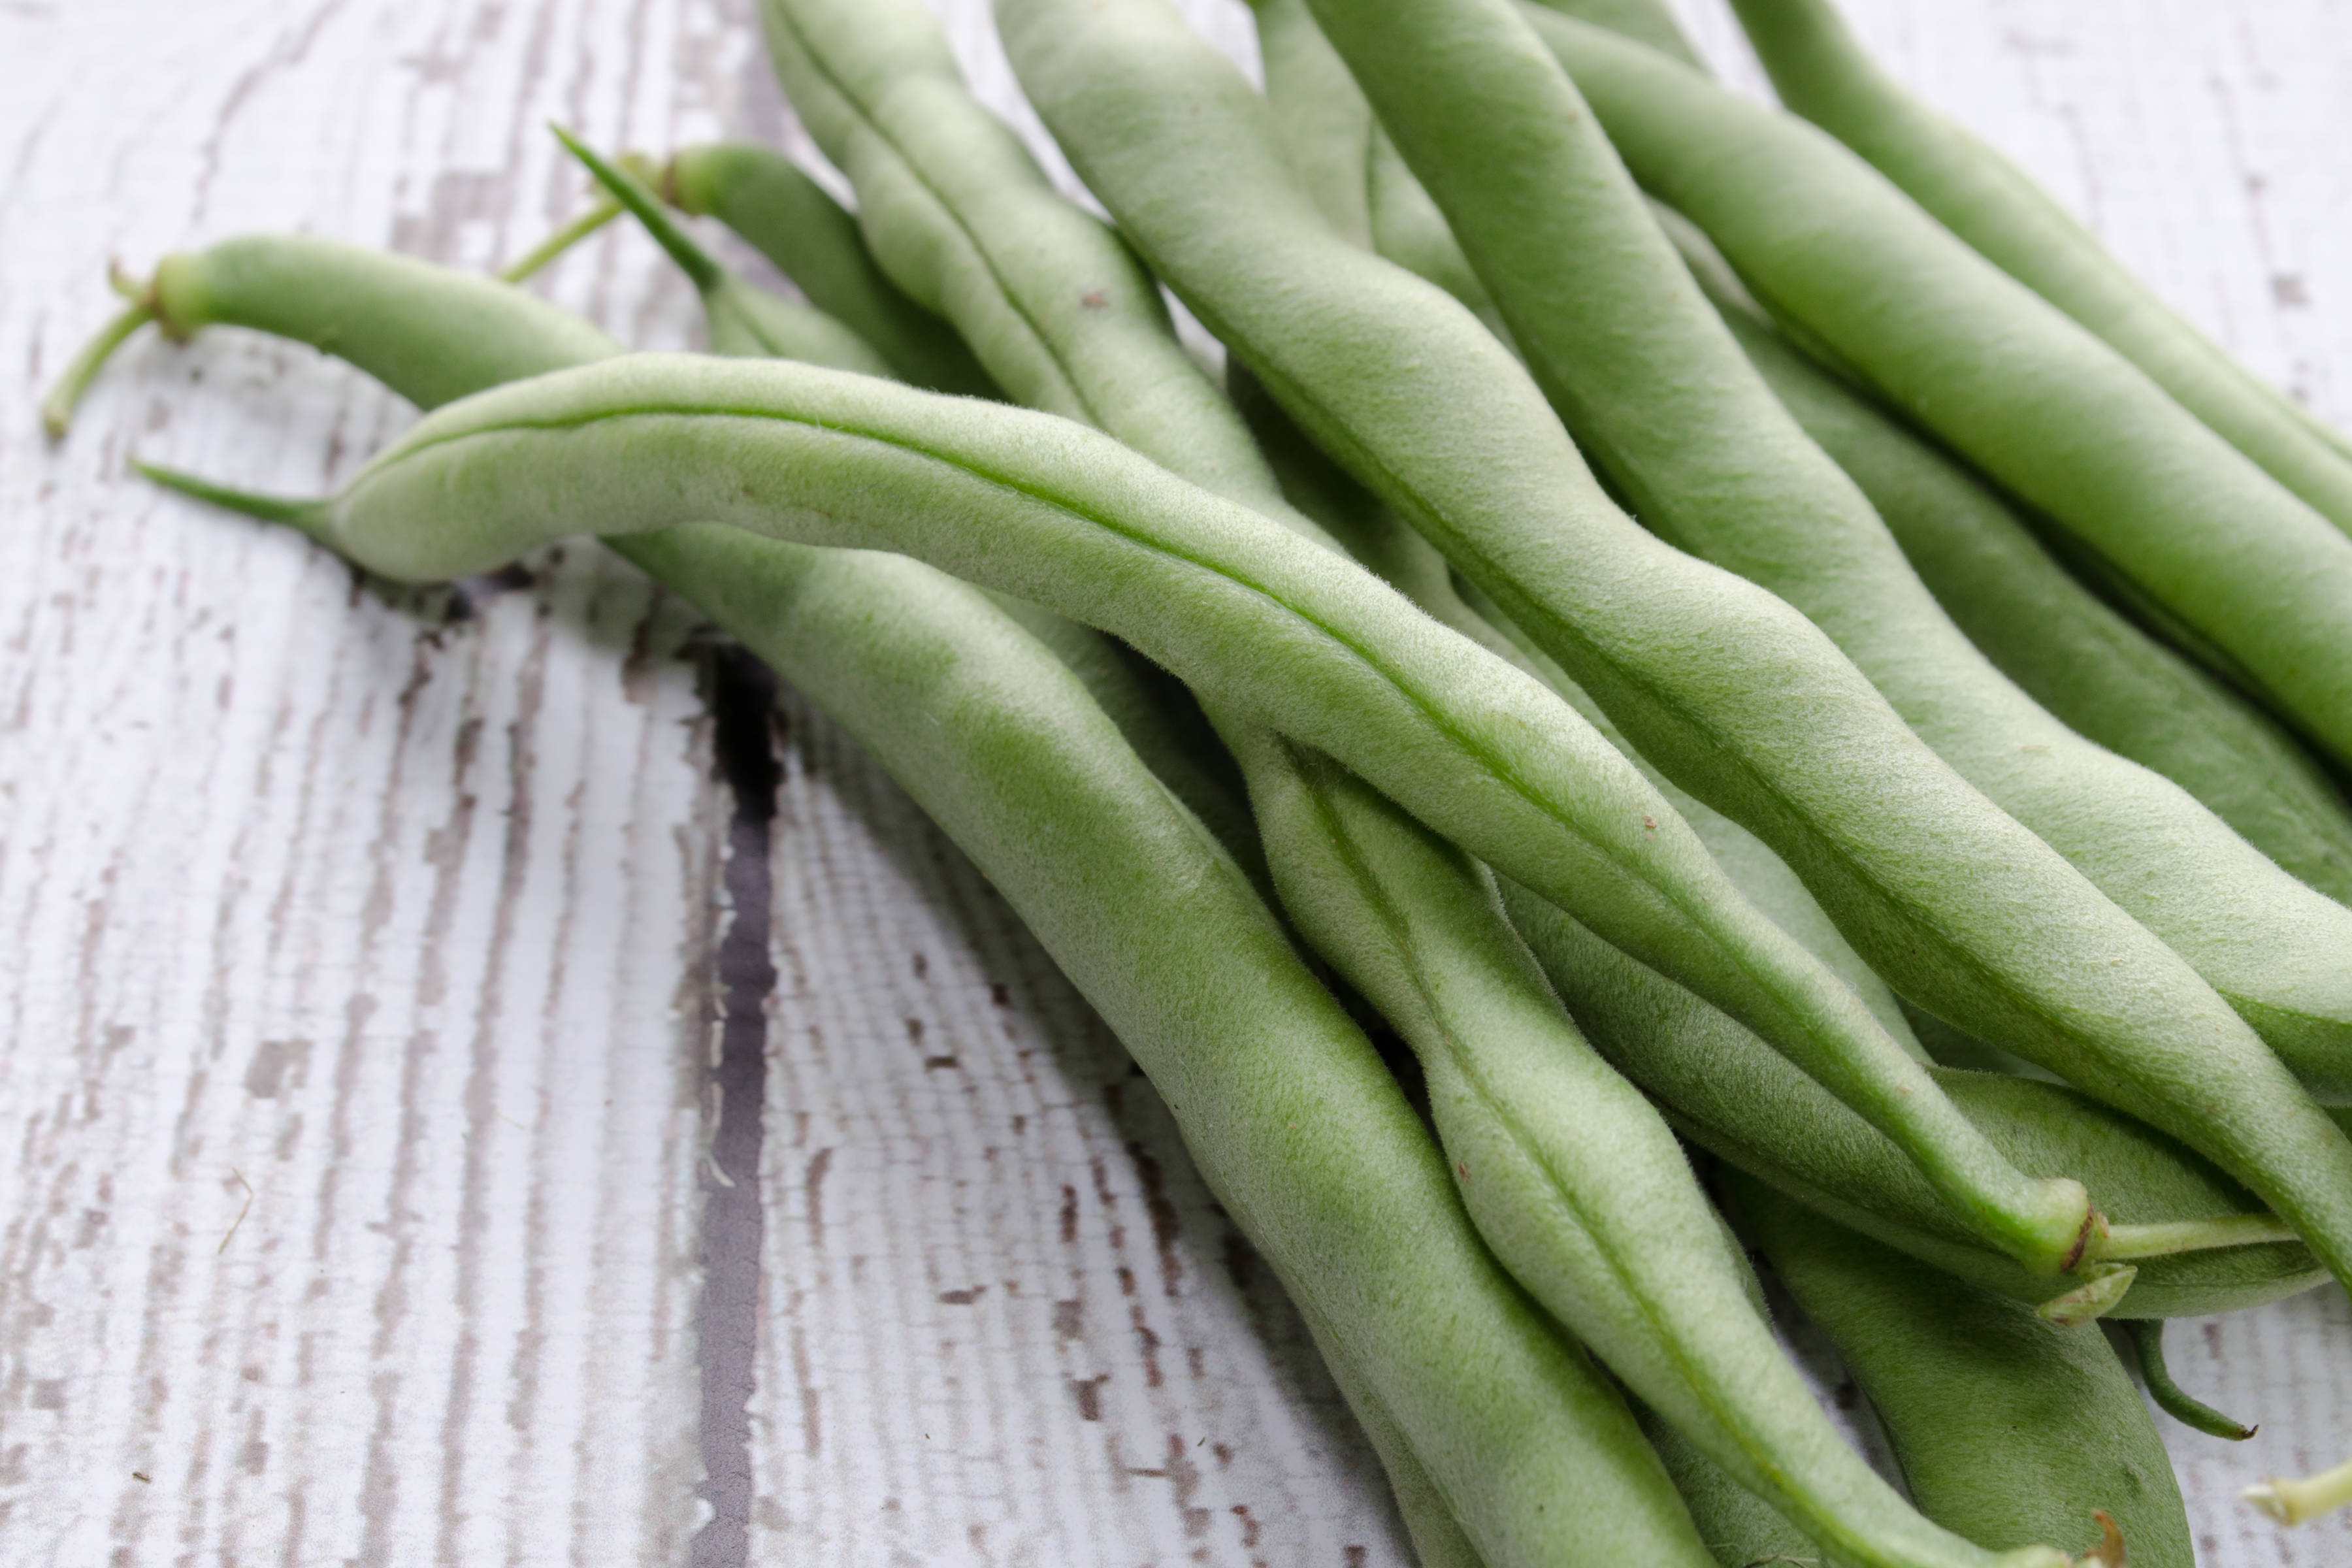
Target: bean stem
606, 210
2147, 1339
57, 407
2125, 1241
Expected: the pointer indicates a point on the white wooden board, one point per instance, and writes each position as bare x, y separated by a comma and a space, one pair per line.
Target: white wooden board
372, 972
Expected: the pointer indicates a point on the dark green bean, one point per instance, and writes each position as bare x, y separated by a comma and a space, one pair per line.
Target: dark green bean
2007, 1429
1823, 74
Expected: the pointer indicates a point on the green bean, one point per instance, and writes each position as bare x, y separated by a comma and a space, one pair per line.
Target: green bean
2088, 665
1393, 378
484, 459
2006, 1429
2201, 1243
2147, 1342
1059, 311
1741, 1528
1294, 789
1568, 1172
949, 693
2084, 661
1438, 1538
498, 333
1823, 74
1212, 592
744, 322
2061, 420
792, 220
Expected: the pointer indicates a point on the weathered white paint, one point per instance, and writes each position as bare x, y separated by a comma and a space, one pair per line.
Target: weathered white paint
402, 922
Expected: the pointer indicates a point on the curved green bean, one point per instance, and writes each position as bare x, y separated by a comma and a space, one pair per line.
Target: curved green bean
266, 282
2006, 1428
1822, 73
1348, 164
2061, 420
1568, 1172
747, 322
938, 680
2087, 665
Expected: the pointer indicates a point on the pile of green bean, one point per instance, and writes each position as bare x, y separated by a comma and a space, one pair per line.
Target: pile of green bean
1814, 706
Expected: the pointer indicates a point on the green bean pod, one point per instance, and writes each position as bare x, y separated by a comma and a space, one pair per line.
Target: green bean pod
1060, 311
2084, 661
1649, 377
1401, 385
954, 696
1822, 73
2006, 1428
1722, 1090
791, 219
2033, 399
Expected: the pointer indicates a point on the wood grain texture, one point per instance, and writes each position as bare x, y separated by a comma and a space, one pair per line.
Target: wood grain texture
479, 1092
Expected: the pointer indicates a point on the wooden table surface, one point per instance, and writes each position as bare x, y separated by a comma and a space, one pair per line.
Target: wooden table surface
488, 1079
